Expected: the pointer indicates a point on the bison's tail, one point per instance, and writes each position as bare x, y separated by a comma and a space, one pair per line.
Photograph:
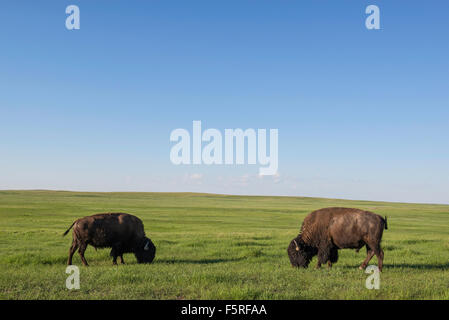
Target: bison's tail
69, 228
385, 223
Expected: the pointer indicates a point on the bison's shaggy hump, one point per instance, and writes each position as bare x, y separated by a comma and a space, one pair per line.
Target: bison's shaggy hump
325, 231
120, 231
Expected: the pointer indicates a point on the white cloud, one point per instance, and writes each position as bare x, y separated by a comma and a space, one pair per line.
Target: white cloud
196, 176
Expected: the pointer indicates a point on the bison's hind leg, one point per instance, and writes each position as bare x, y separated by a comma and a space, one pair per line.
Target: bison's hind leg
369, 255
371, 250
82, 249
72, 251
380, 258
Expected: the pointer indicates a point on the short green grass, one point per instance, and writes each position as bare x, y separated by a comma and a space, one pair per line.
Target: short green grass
214, 247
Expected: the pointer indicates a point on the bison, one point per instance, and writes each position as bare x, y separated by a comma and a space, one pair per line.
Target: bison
325, 231
120, 231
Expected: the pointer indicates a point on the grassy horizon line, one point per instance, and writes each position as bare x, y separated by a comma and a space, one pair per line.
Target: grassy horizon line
225, 195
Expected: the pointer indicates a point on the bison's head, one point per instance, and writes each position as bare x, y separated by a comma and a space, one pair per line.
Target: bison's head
146, 251
300, 253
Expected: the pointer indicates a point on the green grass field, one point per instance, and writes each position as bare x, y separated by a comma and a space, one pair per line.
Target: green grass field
214, 247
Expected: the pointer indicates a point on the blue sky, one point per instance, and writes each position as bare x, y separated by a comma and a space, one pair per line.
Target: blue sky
361, 114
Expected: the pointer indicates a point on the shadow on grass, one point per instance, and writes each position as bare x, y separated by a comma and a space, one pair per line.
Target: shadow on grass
197, 261
388, 266
430, 266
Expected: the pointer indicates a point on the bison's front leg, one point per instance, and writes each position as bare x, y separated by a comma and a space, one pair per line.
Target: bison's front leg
323, 257
116, 251
113, 254
333, 257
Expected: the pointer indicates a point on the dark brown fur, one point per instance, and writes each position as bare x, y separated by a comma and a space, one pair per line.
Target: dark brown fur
327, 230
120, 231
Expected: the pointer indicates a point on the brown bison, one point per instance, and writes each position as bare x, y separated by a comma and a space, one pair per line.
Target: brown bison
325, 231
120, 231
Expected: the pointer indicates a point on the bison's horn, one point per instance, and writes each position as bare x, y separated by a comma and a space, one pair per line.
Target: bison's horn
297, 248
147, 246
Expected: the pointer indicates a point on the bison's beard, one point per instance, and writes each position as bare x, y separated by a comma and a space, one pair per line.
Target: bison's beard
300, 254
146, 256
